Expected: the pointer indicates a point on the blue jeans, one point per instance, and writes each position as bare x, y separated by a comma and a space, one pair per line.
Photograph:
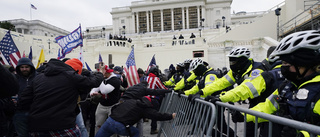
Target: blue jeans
20, 121
82, 127
111, 127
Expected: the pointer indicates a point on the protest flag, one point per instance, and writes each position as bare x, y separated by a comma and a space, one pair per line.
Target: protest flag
8, 51
131, 70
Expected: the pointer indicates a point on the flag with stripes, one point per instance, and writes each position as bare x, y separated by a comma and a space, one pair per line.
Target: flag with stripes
154, 82
152, 63
131, 70
9, 52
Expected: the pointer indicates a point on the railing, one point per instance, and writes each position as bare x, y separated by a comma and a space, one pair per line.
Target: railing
191, 119
200, 118
303, 17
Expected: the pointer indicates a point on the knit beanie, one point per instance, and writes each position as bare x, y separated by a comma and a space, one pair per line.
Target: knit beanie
75, 64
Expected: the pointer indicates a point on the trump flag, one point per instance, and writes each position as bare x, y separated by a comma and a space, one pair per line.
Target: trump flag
69, 42
9, 52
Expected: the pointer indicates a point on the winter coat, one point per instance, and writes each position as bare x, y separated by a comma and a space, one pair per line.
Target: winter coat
51, 98
131, 111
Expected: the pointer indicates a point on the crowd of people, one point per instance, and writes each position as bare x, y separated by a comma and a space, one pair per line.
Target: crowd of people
120, 40
62, 97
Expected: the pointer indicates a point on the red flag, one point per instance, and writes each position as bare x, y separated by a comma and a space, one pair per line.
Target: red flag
131, 70
24, 55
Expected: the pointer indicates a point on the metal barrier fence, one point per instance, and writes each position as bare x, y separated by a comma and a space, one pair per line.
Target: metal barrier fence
200, 118
191, 119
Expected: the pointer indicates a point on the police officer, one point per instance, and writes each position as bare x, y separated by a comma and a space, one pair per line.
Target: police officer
298, 96
206, 76
242, 69
177, 76
189, 78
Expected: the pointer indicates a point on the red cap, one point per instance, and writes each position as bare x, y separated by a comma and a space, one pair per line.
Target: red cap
107, 69
148, 98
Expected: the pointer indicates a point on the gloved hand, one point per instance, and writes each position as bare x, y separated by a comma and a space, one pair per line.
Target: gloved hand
213, 99
288, 132
192, 97
180, 92
236, 116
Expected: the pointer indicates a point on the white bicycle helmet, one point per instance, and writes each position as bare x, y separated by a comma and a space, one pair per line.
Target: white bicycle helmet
180, 64
304, 39
187, 61
195, 63
239, 52
273, 58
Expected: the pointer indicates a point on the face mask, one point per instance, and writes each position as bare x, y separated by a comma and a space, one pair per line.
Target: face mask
292, 76
239, 66
199, 70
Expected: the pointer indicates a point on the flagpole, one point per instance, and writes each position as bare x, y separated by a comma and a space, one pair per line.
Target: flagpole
30, 12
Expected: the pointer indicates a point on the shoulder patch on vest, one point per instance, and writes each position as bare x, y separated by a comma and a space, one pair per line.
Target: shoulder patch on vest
255, 73
212, 78
302, 93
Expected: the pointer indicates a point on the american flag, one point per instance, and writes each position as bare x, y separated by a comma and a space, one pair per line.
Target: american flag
34, 7
131, 70
154, 82
152, 63
9, 52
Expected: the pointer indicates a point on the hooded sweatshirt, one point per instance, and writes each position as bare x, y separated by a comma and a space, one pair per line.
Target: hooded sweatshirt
51, 98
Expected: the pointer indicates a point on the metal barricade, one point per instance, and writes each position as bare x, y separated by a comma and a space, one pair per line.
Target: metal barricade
191, 120
201, 119
312, 129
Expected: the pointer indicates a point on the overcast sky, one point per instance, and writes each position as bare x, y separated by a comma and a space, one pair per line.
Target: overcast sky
68, 14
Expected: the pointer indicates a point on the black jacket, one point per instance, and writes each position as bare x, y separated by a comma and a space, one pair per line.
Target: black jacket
131, 111
24, 81
9, 84
51, 98
139, 90
114, 96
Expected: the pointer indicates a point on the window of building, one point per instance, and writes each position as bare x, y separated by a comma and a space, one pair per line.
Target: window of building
198, 54
122, 21
218, 12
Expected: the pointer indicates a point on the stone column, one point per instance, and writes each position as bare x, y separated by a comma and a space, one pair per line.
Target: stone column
138, 27
203, 9
187, 14
151, 18
133, 22
198, 14
183, 21
147, 16
172, 20
161, 14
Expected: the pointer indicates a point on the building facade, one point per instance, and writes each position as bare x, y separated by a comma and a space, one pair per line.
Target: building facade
170, 15
37, 27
